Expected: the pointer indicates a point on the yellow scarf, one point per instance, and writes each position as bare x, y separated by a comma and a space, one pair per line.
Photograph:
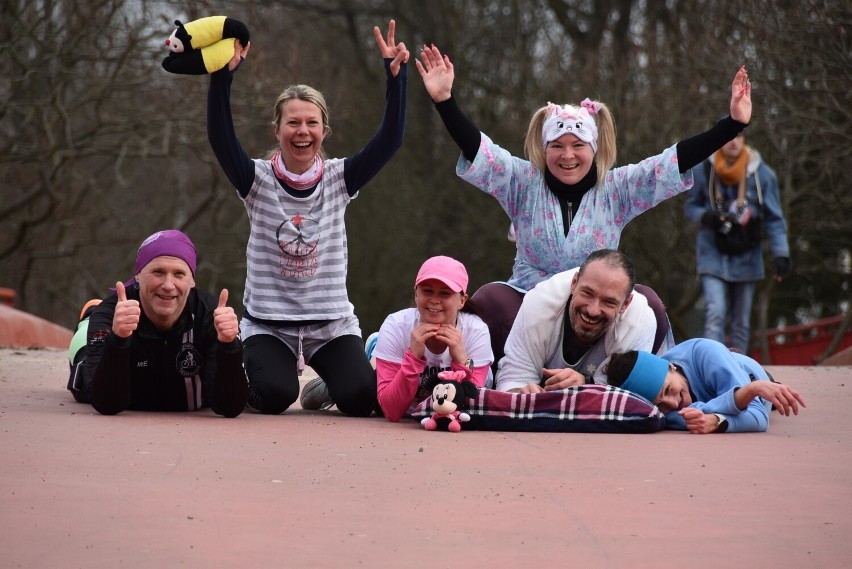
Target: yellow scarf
730, 174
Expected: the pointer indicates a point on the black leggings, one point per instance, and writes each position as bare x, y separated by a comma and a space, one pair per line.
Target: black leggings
341, 363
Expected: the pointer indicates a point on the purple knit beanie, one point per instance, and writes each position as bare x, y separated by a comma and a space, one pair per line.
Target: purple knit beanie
171, 243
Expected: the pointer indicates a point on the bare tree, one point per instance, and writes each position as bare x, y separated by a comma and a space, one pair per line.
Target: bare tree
101, 147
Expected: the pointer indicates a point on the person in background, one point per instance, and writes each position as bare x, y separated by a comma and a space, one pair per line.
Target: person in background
566, 200
704, 387
297, 307
735, 195
443, 331
160, 343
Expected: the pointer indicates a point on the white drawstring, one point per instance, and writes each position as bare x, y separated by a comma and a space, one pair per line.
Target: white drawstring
300, 364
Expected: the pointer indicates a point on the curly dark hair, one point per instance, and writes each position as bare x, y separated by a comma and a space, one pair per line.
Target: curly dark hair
619, 367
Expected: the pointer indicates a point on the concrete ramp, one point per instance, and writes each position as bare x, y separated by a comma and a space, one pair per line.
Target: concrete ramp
316, 489
20, 329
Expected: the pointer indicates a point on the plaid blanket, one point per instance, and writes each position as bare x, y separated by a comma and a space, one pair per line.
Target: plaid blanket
582, 409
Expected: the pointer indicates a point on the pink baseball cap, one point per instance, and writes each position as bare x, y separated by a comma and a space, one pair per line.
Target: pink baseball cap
445, 269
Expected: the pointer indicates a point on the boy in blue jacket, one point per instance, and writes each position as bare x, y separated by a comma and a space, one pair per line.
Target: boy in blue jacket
703, 387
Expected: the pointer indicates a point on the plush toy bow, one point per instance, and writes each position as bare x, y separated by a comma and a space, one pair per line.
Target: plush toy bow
449, 395
204, 45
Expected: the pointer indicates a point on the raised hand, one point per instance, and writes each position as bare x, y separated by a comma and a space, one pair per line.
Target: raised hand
240, 53
225, 320
125, 319
390, 48
437, 73
741, 97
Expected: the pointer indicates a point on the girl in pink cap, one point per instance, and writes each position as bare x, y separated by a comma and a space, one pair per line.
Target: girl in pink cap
442, 332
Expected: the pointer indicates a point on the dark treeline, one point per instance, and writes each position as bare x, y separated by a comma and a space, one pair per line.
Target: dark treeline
100, 147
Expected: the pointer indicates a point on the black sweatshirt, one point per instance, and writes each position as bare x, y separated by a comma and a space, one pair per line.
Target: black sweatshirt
154, 370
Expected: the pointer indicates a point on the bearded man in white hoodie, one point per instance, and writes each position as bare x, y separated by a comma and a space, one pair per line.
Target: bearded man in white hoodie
569, 324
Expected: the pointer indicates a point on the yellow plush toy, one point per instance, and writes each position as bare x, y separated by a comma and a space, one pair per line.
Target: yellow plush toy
204, 45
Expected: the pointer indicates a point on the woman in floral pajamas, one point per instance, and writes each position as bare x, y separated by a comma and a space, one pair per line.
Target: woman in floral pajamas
566, 200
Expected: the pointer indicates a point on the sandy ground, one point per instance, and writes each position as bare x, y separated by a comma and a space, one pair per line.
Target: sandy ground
316, 489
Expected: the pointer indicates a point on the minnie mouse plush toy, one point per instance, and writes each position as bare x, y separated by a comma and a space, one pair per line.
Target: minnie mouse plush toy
449, 395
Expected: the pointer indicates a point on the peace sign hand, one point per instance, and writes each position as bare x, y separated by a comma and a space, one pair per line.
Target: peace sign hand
389, 48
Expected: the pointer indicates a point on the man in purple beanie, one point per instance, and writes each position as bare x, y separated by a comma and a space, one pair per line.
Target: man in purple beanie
159, 343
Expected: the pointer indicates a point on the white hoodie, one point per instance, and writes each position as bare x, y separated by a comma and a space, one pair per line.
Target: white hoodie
535, 341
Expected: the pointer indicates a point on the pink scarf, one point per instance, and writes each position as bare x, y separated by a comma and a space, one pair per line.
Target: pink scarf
297, 181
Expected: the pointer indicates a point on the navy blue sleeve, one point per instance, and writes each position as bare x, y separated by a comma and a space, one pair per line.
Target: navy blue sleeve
691, 151
223, 139
106, 371
360, 168
231, 385
461, 128
225, 384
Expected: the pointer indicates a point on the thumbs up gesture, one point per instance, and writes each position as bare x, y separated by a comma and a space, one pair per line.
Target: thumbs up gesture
225, 320
125, 319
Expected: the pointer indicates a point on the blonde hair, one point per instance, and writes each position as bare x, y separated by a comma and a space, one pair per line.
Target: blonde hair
303, 93
604, 157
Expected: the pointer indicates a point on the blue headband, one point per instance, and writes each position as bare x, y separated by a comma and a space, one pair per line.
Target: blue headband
648, 376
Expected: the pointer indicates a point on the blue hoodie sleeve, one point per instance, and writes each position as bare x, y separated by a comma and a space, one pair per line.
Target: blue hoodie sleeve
715, 378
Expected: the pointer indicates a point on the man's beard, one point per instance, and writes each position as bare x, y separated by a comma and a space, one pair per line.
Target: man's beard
583, 335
